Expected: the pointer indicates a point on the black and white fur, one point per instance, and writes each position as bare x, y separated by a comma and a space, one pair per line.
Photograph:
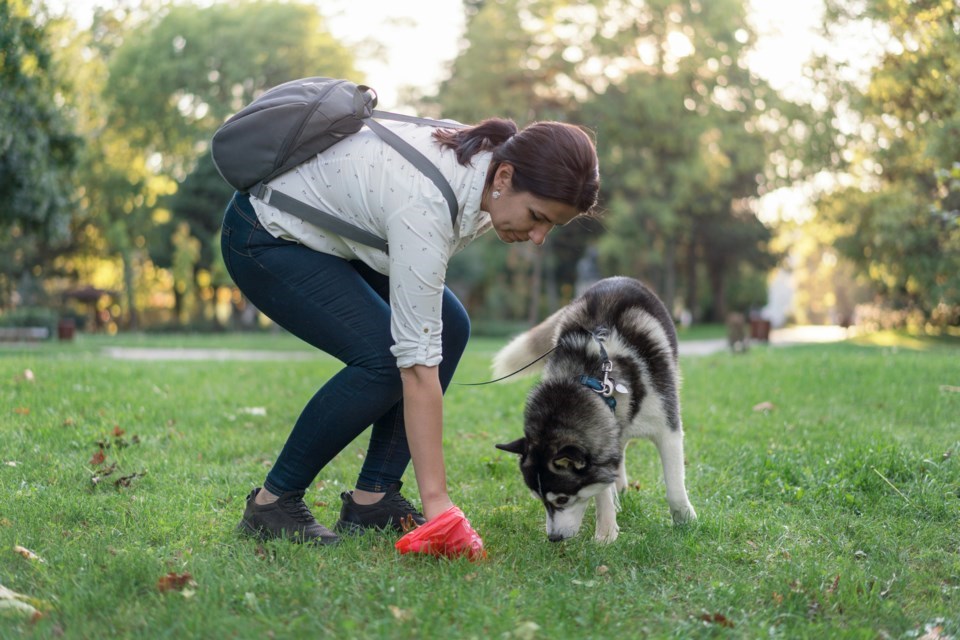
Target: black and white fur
573, 444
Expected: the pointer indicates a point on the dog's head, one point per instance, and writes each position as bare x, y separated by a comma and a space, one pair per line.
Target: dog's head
570, 452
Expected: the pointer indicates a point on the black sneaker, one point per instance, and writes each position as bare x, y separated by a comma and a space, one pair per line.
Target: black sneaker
288, 517
385, 514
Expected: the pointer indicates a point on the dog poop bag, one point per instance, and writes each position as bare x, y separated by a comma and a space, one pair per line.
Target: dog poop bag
448, 535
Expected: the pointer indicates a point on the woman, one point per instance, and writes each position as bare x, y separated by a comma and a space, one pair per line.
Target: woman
389, 318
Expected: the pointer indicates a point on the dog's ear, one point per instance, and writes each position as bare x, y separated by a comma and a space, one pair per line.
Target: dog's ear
570, 457
518, 446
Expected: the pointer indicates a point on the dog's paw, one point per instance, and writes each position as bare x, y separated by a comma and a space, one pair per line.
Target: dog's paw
606, 535
683, 515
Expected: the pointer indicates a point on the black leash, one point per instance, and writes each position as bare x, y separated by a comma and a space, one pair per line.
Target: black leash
477, 384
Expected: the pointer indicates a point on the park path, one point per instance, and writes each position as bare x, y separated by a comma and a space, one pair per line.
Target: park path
778, 337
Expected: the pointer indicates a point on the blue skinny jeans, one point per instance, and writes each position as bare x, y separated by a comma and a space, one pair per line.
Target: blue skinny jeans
341, 307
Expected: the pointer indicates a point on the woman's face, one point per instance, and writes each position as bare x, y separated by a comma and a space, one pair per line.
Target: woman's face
518, 217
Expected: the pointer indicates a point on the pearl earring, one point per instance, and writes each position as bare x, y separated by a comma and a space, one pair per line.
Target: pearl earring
495, 194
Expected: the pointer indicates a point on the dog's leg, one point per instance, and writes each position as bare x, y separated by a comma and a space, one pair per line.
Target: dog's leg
607, 529
670, 445
621, 481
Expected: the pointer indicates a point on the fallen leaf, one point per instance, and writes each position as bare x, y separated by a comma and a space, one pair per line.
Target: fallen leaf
526, 630
26, 553
98, 458
28, 375
18, 608
126, 480
11, 463
602, 569
764, 406
175, 581
836, 582
934, 631
400, 614
717, 618
22, 411
947, 388
117, 431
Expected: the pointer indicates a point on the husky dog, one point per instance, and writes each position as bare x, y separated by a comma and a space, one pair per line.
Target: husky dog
612, 375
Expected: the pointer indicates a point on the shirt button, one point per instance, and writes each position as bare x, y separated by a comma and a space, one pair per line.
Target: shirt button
426, 330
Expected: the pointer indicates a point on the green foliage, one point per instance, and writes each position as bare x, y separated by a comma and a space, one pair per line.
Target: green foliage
178, 76
830, 515
38, 147
899, 223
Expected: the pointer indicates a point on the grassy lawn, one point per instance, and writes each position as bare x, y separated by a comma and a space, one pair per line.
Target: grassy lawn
833, 512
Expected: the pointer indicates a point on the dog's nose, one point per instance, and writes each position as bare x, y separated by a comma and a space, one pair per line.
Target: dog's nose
555, 537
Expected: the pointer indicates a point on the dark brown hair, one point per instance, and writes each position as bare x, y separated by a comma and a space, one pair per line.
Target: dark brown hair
551, 160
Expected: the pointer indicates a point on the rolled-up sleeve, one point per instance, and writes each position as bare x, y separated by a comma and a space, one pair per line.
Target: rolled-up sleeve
420, 238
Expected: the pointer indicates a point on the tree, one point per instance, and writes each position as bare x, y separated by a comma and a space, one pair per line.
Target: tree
38, 148
895, 211
173, 78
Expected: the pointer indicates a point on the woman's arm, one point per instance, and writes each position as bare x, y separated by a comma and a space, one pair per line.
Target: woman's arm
423, 416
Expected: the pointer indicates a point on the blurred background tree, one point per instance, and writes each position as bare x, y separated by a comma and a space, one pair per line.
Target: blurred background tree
38, 149
106, 177
894, 211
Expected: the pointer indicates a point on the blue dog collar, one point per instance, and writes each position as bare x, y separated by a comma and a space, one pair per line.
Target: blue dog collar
596, 385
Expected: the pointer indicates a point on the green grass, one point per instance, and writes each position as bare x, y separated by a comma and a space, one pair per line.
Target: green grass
835, 514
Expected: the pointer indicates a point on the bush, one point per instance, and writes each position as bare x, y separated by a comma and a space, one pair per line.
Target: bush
31, 317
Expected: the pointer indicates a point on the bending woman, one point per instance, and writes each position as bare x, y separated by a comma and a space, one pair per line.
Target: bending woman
389, 318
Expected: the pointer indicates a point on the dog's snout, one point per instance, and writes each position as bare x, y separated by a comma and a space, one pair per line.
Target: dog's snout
555, 537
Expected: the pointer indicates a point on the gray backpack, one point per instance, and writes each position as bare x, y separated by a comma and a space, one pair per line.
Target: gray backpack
293, 122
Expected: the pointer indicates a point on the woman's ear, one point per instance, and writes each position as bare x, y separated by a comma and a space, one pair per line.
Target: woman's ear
503, 178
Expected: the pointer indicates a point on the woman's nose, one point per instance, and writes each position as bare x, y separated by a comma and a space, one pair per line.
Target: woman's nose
539, 233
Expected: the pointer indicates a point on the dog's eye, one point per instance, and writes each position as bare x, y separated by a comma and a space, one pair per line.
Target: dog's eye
562, 500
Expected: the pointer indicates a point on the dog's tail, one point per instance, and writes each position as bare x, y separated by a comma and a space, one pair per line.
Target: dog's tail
527, 347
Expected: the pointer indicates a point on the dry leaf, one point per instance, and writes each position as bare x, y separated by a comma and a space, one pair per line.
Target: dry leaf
98, 458
400, 614
22, 411
175, 581
602, 569
407, 523
117, 431
717, 618
19, 605
29, 555
764, 406
836, 582
947, 388
126, 480
11, 463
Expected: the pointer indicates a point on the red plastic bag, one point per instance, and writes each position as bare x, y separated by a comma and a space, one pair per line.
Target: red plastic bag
448, 535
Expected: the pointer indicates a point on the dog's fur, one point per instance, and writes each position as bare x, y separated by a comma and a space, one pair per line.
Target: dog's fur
573, 444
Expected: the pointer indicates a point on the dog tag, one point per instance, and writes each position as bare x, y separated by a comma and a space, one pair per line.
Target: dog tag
620, 388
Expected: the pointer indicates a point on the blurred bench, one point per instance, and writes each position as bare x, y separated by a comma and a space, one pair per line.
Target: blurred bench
23, 334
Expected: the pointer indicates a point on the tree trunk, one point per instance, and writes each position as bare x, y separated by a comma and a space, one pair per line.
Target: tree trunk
133, 318
536, 278
669, 291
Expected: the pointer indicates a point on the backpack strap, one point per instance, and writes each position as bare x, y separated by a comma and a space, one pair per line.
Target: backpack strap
317, 216
418, 160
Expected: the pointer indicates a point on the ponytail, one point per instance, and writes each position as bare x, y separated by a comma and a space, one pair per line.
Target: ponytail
485, 136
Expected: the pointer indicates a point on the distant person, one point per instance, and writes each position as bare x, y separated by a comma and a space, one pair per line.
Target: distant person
389, 318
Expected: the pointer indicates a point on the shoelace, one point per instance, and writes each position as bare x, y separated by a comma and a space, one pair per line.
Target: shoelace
297, 509
398, 500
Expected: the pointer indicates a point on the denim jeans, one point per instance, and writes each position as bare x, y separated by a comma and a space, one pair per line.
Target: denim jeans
342, 308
